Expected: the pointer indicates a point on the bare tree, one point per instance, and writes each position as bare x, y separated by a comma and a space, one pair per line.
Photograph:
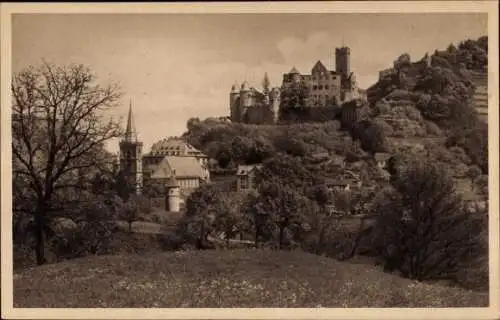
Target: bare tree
57, 132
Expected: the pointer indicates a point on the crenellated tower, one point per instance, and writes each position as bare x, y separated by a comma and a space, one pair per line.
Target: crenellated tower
131, 155
234, 97
343, 61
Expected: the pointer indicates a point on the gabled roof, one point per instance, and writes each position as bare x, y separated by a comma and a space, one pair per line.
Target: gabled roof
380, 156
319, 67
338, 182
181, 167
294, 71
246, 169
175, 146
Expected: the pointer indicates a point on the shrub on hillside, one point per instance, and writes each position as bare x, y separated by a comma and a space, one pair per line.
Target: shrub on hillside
474, 140
432, 129
372, 136
95, 226
423, 230
382, 107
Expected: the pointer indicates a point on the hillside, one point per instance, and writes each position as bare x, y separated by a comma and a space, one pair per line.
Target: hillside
437, 107
236, 278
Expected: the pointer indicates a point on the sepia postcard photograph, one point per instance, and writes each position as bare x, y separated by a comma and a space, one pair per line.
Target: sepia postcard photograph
260, 160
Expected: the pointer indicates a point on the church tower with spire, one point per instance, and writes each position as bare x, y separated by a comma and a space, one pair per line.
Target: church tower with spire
131, 155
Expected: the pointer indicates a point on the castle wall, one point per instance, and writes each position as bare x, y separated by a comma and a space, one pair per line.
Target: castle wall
480, 96
259, 115
322, 89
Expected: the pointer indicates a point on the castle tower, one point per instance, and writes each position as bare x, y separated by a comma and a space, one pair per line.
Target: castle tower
233, 103
172, 194
131, 155
245, 100
275, 103
428, 60
295, 75
343, 61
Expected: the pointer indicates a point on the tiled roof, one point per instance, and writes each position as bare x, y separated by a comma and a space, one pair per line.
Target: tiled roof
382, 156
184, 167
175, 146
245, 169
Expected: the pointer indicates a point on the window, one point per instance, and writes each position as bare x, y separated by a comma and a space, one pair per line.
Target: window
244, 182
320, 87
315, 87
326, 87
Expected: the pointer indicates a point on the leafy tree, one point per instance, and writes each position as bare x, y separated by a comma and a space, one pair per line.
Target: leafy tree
229, 219
202, 206
287, 170
57, 129
422, 228
294, 99
282, 206
95, 225
259, 218
372, 136
474, 173
130, 211
241, 148
474, 140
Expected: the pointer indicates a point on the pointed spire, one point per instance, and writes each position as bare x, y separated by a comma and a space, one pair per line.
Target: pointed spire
294, 71
130, 132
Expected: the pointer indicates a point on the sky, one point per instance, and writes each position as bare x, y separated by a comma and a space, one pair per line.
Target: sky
173, 67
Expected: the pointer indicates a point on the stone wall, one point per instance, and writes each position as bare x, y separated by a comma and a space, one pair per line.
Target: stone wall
480, 96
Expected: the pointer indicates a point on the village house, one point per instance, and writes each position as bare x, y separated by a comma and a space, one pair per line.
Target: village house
382, 159
188, 172
246, 177
342, 185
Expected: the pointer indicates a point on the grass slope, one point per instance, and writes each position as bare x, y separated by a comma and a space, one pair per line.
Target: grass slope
235, 278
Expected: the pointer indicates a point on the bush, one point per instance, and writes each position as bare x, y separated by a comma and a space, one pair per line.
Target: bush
432, 129
372, 136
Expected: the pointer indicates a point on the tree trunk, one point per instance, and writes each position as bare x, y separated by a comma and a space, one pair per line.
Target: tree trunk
282, 233
130, 226
39, 238
257, 231
202, 233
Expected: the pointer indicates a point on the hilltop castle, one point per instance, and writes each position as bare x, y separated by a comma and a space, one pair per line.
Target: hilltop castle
325, 88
